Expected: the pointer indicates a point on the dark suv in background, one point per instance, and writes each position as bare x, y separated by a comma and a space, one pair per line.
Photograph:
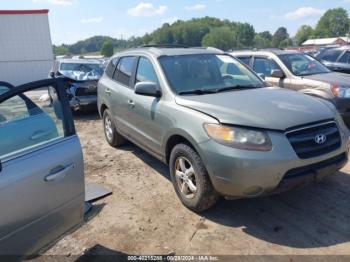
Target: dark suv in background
336, 58
300, 72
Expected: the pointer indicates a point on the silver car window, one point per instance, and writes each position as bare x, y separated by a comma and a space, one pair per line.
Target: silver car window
28, 120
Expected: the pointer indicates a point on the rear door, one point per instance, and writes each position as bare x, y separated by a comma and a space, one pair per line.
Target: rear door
41, 171
121, 93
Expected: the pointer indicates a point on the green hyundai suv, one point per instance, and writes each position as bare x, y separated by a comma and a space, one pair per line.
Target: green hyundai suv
217, 125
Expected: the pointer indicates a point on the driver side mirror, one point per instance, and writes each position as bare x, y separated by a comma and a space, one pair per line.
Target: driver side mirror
148, 89
261, 75
277, 73
52, 74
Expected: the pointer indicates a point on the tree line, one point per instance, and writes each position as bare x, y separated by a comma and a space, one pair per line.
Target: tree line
223, 34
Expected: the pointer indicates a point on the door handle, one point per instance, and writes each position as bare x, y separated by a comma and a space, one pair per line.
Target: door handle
131, 103
40, 134
108, 91
59, 174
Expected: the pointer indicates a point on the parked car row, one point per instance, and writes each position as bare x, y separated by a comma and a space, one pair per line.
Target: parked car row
222, 130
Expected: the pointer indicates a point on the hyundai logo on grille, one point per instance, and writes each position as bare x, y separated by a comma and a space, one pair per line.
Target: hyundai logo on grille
320, 139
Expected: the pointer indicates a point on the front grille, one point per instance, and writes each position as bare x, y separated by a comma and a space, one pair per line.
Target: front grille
303, 140
86, 91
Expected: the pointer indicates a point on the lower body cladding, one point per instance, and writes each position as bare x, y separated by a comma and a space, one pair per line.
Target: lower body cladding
239, 173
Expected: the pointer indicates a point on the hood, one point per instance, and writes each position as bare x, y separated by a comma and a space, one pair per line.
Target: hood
268, 108
331, 78
81, 76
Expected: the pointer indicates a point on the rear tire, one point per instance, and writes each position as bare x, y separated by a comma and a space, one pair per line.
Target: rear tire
190, 179
112, 136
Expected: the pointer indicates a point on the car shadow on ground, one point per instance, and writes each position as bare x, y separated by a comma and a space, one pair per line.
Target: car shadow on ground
86, 115
101, 253
316, 215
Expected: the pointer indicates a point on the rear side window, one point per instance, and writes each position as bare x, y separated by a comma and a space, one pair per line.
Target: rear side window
111, 67
124, 70
330, 55
244, 59
345, 58
145, 71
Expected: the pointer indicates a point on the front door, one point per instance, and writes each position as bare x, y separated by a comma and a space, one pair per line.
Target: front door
145, 117
41, 170
265, 65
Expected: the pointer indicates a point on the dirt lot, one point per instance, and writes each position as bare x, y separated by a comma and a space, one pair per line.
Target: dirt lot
144, 216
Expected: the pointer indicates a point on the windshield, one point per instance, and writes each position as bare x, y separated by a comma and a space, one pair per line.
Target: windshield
303, 65
207, 73
81, 71
81, 67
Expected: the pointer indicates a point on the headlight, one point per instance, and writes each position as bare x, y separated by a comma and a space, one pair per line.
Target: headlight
340, 91
240, 138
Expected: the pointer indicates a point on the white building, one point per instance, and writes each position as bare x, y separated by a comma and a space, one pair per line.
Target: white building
25, 46
326, 41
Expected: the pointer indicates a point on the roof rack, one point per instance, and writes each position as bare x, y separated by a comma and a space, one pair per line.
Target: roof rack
165, 46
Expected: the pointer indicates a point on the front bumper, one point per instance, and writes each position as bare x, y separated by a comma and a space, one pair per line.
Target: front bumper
240, 173
78, 102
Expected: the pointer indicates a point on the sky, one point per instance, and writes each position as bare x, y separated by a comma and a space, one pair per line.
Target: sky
73, 20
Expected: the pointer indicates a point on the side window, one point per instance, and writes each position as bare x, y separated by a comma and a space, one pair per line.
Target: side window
124, 70
30, 119
111, 67
244, 59
3, 89
331, 55
345, 58
145, 71
264, 66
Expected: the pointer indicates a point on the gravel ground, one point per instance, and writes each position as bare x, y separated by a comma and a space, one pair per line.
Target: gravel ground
144, 215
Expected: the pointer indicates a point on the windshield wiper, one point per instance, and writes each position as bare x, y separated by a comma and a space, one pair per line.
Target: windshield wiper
236, 87
198, 92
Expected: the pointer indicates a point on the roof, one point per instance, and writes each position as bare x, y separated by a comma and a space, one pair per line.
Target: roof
24, 12
325, 41
173, 51
264, 52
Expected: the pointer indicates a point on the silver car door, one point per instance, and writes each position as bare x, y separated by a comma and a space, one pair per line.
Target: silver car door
41, 172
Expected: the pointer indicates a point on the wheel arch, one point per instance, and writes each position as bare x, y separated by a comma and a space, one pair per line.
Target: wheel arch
178, 137
102, 108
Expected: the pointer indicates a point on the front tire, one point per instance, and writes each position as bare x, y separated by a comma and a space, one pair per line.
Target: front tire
112, 136
190, 179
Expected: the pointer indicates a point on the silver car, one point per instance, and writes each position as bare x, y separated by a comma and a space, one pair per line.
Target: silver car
219, 127
301, 72
41, 167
